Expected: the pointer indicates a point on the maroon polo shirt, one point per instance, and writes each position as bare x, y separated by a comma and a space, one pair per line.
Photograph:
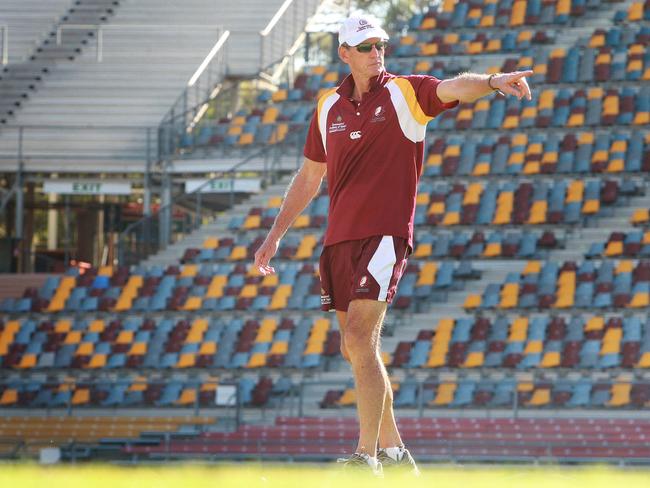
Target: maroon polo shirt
374, 152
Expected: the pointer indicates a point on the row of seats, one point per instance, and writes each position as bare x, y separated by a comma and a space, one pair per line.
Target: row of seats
634, 244
453, 438
166, 343
583, 64
529, 342
586, 285
458, 245
637, 11
219, 287
452, 14
482, 203
585, 152
426, 44
550, 107
481, 393
137, 391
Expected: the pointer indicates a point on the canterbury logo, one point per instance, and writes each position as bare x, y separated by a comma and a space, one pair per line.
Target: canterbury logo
355, 134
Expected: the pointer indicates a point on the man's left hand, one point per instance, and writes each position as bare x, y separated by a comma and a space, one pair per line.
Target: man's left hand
514, 83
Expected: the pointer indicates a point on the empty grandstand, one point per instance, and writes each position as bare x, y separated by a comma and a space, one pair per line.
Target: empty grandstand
144, 149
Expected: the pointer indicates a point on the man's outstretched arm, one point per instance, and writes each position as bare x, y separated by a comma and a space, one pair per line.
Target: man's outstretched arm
468, 87
301, 191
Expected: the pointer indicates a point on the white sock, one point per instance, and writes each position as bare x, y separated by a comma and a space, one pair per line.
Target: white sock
395, 453
371, 460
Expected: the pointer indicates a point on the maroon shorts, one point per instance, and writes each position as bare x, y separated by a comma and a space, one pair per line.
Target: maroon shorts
363, 269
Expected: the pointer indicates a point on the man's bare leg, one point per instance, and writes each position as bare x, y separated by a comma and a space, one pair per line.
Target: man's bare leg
389, 435
360, 338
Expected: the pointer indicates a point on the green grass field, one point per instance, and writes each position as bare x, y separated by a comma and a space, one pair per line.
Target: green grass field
253, 475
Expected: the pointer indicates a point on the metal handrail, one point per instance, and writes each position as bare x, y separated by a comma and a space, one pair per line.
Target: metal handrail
281, 25
192, 100
5, 43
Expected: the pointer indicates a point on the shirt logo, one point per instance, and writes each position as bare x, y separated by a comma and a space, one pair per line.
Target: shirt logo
363, 281
379, 115
355, 135
338, 126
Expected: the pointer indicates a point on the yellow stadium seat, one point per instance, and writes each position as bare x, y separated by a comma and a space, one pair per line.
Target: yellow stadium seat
644, 360
97, 361
279, 95
207, 348
211, 243
594, 323
532, 267
235, 130
186, 360
192, 303
96, 325
270, 115
187, 397
518, 330
301, 222
509, 295
85, 349
474, 360
551, 359
279, 347
591, 207
472, 301
451, 218
492, 249
614, 248
625, 266
138, 349
215, 289
257, 360
248, 291
266, 330
252, 222
540, 397
27, 361
538, 212
427, 274
640, 300
533, 347
635, 12
518, 13
620, 395
445, 394
9, 397
640, 216
81, 396
73, 337
124, 337
246, 139
348, 398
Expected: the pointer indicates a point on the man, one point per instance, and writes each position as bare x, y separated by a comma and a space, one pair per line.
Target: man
368, 135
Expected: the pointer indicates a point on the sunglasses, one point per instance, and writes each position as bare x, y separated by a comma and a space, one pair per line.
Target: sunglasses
366, 48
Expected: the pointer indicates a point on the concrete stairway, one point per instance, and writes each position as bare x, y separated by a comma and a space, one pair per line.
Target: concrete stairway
32, 28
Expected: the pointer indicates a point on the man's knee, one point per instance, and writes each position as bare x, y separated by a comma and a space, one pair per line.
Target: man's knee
358, 338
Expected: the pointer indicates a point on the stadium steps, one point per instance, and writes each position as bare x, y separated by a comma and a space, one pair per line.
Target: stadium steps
13, 285
85, 94
44, 52
219, 227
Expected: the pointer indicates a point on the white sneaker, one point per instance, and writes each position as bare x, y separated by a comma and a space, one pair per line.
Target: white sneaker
362, 462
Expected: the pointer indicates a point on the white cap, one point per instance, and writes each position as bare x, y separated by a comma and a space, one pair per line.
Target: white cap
355, 30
